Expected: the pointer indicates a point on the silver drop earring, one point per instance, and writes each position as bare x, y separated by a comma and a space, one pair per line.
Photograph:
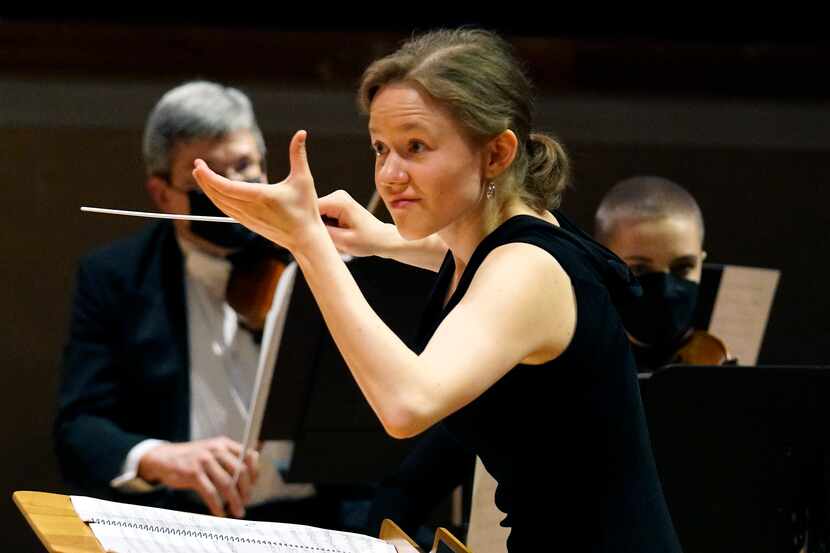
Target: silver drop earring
491, 190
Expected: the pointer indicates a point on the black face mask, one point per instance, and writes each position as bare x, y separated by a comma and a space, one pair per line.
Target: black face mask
227, 235
664, 314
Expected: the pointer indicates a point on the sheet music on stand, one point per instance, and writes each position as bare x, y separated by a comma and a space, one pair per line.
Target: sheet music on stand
76, 524
128, 528
734, 305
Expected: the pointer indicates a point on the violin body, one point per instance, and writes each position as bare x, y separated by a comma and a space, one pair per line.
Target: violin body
252, 284
702, 348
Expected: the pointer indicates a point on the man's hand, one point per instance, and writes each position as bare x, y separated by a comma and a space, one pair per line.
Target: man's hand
206, 467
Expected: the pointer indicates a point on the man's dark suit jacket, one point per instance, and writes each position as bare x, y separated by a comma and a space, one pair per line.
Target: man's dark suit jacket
126, 363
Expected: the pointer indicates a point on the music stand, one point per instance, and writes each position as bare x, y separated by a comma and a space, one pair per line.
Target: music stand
315, 401
738, 450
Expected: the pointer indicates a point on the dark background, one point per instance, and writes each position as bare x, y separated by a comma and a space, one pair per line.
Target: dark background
737, 113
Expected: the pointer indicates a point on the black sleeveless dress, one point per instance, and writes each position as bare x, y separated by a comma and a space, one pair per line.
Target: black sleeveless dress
567, 440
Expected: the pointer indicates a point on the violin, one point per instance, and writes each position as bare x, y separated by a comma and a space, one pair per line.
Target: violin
253, 282
703, 348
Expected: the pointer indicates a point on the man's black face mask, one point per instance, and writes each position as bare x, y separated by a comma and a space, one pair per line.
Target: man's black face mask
227, 235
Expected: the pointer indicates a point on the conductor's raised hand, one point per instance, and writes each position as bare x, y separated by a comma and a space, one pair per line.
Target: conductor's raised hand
285, 213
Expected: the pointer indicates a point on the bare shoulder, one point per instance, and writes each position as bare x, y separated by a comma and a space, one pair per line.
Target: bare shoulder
523, 265
528, 283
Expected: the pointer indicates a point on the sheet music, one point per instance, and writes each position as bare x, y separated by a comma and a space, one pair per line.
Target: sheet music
484, 532
742, 308
125, 528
